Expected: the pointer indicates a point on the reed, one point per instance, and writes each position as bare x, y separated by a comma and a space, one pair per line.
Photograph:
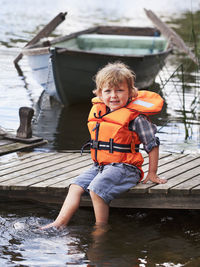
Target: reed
186, 77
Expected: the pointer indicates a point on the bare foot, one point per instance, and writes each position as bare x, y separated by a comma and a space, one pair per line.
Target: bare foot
51, 225
100, 230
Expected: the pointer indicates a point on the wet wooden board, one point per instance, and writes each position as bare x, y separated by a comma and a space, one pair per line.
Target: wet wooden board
8, 146
45, 177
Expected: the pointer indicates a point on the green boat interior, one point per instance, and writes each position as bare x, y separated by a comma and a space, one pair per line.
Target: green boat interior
115, 44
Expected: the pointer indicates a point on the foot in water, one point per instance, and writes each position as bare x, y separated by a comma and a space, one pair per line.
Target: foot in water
100, 230
52, 225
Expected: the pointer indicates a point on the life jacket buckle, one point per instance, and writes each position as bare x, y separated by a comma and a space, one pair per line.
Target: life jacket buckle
95, 144
137, 148
111, 145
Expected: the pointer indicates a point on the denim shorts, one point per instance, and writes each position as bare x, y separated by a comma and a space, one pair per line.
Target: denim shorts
110, 181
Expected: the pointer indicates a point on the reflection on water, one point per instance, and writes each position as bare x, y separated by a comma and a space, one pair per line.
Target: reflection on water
182, 95
134, 238
64, 127
22, 242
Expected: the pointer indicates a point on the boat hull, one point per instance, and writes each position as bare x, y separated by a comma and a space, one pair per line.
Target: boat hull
42, 72
66, 71
74, 71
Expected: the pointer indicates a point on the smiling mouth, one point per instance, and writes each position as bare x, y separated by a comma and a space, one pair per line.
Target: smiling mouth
114, 102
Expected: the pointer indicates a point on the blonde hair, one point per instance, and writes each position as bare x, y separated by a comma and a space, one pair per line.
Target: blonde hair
113, 74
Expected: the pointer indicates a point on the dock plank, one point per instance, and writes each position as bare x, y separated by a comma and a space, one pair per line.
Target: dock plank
163, 159
45, 177
167, 171
60, 181
66, 174
4, 142
30, 167
64, 183
178, 180
51, 177
38, 170
196, 188
14, 157
26, 163
18, 146
186, 186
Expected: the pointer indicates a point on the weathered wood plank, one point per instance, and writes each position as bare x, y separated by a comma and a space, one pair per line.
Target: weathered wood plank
163, 160
178, 180
185, 187
64, 183
166, 171
157, 201
46, 178
19, 155
174, 165
41, 174
16, 146
196, 188
60, 175
4, 142
24, 162
25, 174
16, 156
30, 165
50, 177
61, 180
13, 157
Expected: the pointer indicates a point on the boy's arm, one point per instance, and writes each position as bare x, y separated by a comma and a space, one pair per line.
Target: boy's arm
146, 132
153, 166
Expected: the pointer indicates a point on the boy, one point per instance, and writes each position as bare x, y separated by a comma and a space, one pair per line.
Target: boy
117, 126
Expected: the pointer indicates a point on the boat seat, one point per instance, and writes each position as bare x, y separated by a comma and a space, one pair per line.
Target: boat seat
122, 43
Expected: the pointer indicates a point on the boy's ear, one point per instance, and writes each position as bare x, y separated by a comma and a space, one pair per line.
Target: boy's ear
134, 94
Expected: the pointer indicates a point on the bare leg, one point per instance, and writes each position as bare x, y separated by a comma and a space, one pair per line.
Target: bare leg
101, 209
69, 207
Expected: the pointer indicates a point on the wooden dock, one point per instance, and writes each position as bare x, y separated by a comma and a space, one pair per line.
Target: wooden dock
45, 177
13, 145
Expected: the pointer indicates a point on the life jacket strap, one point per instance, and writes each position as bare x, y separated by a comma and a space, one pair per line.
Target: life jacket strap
84, 146
111, 146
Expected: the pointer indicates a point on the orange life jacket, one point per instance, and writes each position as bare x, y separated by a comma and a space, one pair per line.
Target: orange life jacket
111, 139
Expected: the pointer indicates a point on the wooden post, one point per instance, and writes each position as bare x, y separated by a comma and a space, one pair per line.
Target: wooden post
25, 115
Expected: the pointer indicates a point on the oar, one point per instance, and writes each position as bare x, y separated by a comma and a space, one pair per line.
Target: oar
45, 32
170, 34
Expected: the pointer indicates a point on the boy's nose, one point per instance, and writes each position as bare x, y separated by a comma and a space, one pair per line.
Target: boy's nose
113, 93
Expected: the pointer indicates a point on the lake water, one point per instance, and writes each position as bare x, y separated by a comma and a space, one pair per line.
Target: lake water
137, 237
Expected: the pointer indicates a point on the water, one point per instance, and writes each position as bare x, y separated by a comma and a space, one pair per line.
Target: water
137, 237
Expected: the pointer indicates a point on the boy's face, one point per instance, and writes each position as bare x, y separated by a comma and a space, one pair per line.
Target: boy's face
115, 97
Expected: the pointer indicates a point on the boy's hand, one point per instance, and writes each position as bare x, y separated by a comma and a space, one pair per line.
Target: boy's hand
154, 178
